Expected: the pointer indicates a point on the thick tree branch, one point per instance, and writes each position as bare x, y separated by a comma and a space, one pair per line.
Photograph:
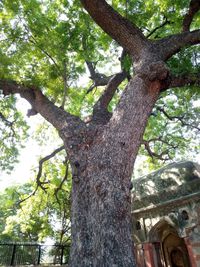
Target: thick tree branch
100, 108
40, 104
169, 46
193, 9
91, 67
112, 86
128, 35
173, 81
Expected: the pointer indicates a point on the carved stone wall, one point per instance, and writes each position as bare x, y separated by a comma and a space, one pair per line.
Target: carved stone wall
166, 207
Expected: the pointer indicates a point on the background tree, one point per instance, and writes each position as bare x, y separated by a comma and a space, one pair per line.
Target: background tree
44, 48
38, 210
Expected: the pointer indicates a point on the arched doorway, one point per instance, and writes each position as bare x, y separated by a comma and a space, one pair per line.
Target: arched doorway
175, 251
169, 249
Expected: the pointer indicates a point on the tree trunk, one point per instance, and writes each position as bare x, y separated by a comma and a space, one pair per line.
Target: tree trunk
101, 199
101, 233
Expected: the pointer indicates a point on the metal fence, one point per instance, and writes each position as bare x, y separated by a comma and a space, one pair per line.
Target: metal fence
33, 254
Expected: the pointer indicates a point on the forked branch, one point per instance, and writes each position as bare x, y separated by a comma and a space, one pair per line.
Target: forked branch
130, 37
100, 108
100, 79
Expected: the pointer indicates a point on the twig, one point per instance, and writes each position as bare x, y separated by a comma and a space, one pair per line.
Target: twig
179, 118
99, 79
160, 156
8, 123
65, 85
39, 174
33, 40
159, 27
41, 162
62, 182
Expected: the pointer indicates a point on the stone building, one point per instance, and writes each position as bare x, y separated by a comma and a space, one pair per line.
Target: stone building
166, 217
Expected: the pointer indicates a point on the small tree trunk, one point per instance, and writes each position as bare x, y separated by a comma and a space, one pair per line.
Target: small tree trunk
101, 199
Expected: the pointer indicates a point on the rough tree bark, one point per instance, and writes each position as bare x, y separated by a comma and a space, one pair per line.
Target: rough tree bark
102, 152
101, 222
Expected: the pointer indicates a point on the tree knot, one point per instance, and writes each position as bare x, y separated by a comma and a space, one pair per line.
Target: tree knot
154, 71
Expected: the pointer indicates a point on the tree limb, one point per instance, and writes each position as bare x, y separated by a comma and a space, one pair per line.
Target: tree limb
112, 86
40, 104
165, 155
91, 67
128, 35
99, 79
173, 81
41, 162
100, 108
194, 7
39, 174
169, 46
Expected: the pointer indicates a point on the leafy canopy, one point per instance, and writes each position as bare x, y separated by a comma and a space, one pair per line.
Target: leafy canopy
46, 44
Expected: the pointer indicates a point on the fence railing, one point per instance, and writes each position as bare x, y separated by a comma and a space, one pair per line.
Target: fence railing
33, 254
